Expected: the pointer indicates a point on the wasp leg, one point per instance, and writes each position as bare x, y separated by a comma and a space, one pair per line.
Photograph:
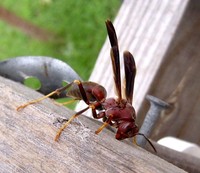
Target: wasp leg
135, 140
36, 100
57, 91
105, 124
82, 91
94, 112
66, 103
68, 122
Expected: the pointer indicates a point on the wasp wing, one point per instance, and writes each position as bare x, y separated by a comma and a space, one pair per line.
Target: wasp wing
130, 72
114, 57
111, 34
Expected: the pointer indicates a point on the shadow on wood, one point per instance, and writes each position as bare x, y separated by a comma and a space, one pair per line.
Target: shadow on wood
27, 143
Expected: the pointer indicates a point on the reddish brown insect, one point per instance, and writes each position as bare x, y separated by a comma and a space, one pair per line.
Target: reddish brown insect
115, 112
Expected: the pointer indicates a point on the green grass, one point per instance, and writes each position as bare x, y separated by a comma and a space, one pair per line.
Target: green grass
78, 27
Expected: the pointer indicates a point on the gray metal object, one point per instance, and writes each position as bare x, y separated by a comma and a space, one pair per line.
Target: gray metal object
51, 72
156, 106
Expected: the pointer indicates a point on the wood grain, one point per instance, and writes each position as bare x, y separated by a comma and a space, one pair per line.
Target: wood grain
27, 145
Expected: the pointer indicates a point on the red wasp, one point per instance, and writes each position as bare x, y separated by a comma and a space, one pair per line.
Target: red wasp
115, 112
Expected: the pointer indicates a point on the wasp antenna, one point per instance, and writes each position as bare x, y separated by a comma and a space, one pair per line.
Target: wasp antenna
148, 141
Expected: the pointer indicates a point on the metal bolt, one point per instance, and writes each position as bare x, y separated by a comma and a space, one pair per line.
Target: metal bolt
152, 116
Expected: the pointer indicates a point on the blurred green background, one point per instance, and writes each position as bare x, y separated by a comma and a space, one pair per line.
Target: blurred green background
71, 30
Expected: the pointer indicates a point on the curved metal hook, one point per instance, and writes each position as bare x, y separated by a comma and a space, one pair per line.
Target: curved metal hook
51, 72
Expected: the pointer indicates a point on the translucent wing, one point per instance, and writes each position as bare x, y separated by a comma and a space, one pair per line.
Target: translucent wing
130, 72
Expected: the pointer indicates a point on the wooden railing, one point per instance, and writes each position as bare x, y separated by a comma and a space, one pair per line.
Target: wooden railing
164, 38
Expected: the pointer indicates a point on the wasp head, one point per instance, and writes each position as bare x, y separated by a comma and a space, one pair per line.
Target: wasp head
126, 130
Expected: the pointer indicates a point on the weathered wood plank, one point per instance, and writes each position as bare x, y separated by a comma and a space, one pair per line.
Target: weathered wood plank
27, 145
183, 160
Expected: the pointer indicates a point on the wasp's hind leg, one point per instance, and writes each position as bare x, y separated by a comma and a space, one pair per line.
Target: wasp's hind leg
57, 91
